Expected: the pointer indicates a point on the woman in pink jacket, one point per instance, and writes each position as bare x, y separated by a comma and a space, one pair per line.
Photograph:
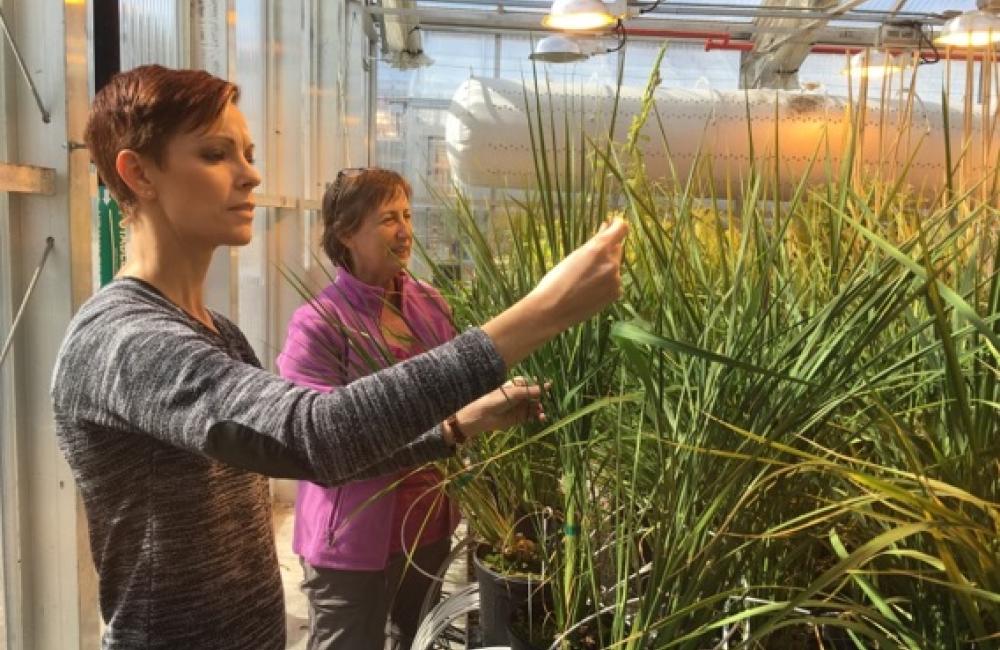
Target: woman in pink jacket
357, 540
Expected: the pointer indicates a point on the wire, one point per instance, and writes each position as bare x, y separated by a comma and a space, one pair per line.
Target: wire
922, 38
622, 37
646, 10
438, 619
926, 39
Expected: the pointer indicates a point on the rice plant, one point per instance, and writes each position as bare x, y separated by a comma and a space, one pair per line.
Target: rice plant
787, 426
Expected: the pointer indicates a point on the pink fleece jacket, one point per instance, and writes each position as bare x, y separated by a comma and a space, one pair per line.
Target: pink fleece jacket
332, 340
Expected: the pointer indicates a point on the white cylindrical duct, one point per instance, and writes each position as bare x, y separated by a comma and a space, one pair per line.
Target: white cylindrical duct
489, 142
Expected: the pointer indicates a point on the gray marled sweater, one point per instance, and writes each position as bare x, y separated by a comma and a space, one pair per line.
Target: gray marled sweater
169, 429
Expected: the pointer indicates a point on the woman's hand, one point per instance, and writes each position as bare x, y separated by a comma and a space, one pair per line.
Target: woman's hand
583, 283
586, 280
515, 402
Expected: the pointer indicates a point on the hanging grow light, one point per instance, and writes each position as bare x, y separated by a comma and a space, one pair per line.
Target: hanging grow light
557, 48
875, 64
576, 15
971, 29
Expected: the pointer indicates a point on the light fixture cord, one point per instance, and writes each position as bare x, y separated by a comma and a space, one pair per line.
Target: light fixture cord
926, 39
622, 36
646, 10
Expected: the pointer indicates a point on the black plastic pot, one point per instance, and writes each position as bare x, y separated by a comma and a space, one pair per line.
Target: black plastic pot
519, 633
499, 596
584, 636
517, 642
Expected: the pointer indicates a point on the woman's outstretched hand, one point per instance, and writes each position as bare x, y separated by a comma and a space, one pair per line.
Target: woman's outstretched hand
585, 281
515, 402
582, 284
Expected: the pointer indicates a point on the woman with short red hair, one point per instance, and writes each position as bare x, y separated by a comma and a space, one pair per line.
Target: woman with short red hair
170, 425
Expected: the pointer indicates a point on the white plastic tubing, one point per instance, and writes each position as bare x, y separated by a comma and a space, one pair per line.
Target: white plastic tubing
489, 142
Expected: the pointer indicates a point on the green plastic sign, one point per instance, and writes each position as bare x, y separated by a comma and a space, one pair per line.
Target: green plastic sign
111, 235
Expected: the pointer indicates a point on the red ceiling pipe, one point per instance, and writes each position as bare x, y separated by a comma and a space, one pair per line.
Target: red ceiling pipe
746, 46
724, 41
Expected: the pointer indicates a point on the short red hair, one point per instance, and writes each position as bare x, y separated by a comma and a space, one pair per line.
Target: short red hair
143, 108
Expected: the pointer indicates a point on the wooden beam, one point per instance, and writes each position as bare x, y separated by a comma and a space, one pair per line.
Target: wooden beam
27, 179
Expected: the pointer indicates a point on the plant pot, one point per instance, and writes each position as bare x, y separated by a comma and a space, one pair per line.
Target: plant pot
499, 596
523, 636
519, 632
518, 642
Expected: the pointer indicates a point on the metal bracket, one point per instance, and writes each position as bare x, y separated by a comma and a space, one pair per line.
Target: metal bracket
49, 243
46, 116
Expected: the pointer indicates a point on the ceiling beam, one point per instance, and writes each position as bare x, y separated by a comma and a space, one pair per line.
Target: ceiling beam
775, 58
523, 21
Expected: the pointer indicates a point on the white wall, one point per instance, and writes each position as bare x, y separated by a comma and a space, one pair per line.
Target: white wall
301, 66
42, 557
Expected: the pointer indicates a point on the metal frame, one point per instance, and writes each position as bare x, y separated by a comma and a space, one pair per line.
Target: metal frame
683, 8
49, 595
699, 30
46, 115
521, 15
10, 529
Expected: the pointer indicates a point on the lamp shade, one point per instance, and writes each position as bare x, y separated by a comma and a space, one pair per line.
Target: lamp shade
578, 15
876, 64
971, 29
557, 48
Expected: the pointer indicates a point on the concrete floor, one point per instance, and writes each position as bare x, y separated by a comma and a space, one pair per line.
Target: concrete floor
296, 605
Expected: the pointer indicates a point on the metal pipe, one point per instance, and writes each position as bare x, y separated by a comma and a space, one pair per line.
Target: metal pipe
725, 41
46, 117
534, 11
714, 40
49, 243
523, 21
689, 8
856, 36
371, 102
787, 13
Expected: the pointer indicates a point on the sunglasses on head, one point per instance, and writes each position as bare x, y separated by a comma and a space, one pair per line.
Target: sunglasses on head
338, 182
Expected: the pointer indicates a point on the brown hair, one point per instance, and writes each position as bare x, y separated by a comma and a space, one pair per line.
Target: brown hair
352, 197
143, 108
